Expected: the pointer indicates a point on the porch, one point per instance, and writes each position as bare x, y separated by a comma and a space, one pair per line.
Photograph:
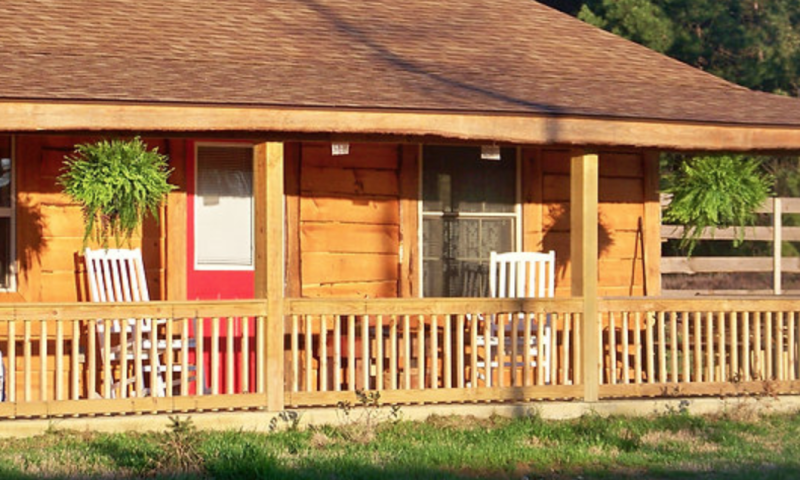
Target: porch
411, 351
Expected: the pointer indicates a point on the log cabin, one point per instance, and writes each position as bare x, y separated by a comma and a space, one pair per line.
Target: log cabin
342, 168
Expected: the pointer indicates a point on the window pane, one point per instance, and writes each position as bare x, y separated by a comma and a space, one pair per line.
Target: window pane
455, 179
5, 252
224, 207
5, 182
456, 253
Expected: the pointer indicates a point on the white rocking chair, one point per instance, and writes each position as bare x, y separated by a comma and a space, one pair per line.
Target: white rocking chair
521, 275
117, 275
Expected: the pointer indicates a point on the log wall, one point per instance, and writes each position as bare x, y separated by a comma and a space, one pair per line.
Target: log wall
625, 192
348, 221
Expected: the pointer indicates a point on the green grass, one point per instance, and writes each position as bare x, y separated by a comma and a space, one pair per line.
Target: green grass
673, 444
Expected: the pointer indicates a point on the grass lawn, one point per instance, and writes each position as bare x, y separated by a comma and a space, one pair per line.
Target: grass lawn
672, 444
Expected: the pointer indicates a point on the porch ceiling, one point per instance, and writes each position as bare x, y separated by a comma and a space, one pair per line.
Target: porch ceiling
502, 70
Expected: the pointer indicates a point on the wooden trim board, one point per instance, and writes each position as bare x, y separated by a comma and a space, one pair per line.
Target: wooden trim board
284, 122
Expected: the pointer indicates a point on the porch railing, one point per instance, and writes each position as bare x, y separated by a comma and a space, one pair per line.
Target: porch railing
411, 350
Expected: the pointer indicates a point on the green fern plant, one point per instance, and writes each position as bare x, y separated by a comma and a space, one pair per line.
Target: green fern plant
716, 192
117, 183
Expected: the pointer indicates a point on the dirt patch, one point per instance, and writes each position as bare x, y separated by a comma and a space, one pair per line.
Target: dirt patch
695, 443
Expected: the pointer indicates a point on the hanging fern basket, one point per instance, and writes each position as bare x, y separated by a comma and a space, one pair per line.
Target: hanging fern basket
716, 192
117, 183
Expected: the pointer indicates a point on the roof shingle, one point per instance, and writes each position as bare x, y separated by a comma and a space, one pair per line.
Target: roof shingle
513, 56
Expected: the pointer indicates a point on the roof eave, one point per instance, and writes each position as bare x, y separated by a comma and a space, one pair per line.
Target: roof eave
527, 129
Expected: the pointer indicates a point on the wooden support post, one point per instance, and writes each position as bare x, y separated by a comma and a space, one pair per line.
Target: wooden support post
583, 257
777, 241
651, 228
269, 281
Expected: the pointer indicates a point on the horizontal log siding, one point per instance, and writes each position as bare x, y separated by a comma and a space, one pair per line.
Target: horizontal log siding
349, 221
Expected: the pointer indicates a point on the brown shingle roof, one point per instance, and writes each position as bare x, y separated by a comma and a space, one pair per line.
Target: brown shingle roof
512, 56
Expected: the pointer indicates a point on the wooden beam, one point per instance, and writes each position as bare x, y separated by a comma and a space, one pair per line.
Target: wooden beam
285, 123
651, 225
176, 262
408, 284
583, 256
268, 161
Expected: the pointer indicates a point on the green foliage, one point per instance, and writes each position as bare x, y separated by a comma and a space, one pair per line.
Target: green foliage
716, 192
117, 183
642, 21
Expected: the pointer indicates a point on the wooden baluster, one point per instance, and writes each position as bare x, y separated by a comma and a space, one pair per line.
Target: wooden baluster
460, 351
379, 355
612, 349
448, 352
155, 386
323, 354
768, 345
308, 354
365, 360
514, 363
393, 354
91, 355
565, 364
421, 352
501, 347
686, 348
215, 356
734, 348
185, 358
351, 353
662, 350
26, 365
541, 320
406, 352
792, 352
709, 344
637, 348
473, 350
169, 361
59, 360
74, 360
780, 357
229, 361
650, 353
487, 348
199, 353
11, 381
746, 347
576, 341
721, 346
758, 363
337, 353
295, 346
43, 361
107, 324
434, 348
625, 349
698, 347
245, 354
673, 345
123, 361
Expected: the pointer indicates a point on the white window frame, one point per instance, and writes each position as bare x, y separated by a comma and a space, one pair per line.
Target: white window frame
10, 213
220, 267
516, 215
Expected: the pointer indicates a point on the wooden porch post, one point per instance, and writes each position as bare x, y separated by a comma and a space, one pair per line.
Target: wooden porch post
583, 255
269, 265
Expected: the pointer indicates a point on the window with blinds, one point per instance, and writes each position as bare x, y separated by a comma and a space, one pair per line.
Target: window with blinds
223, 207
469, 209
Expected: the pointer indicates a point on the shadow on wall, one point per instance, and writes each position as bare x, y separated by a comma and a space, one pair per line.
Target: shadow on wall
556, 237
32, 242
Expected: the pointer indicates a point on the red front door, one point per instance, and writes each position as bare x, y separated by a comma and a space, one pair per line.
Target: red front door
220, 246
